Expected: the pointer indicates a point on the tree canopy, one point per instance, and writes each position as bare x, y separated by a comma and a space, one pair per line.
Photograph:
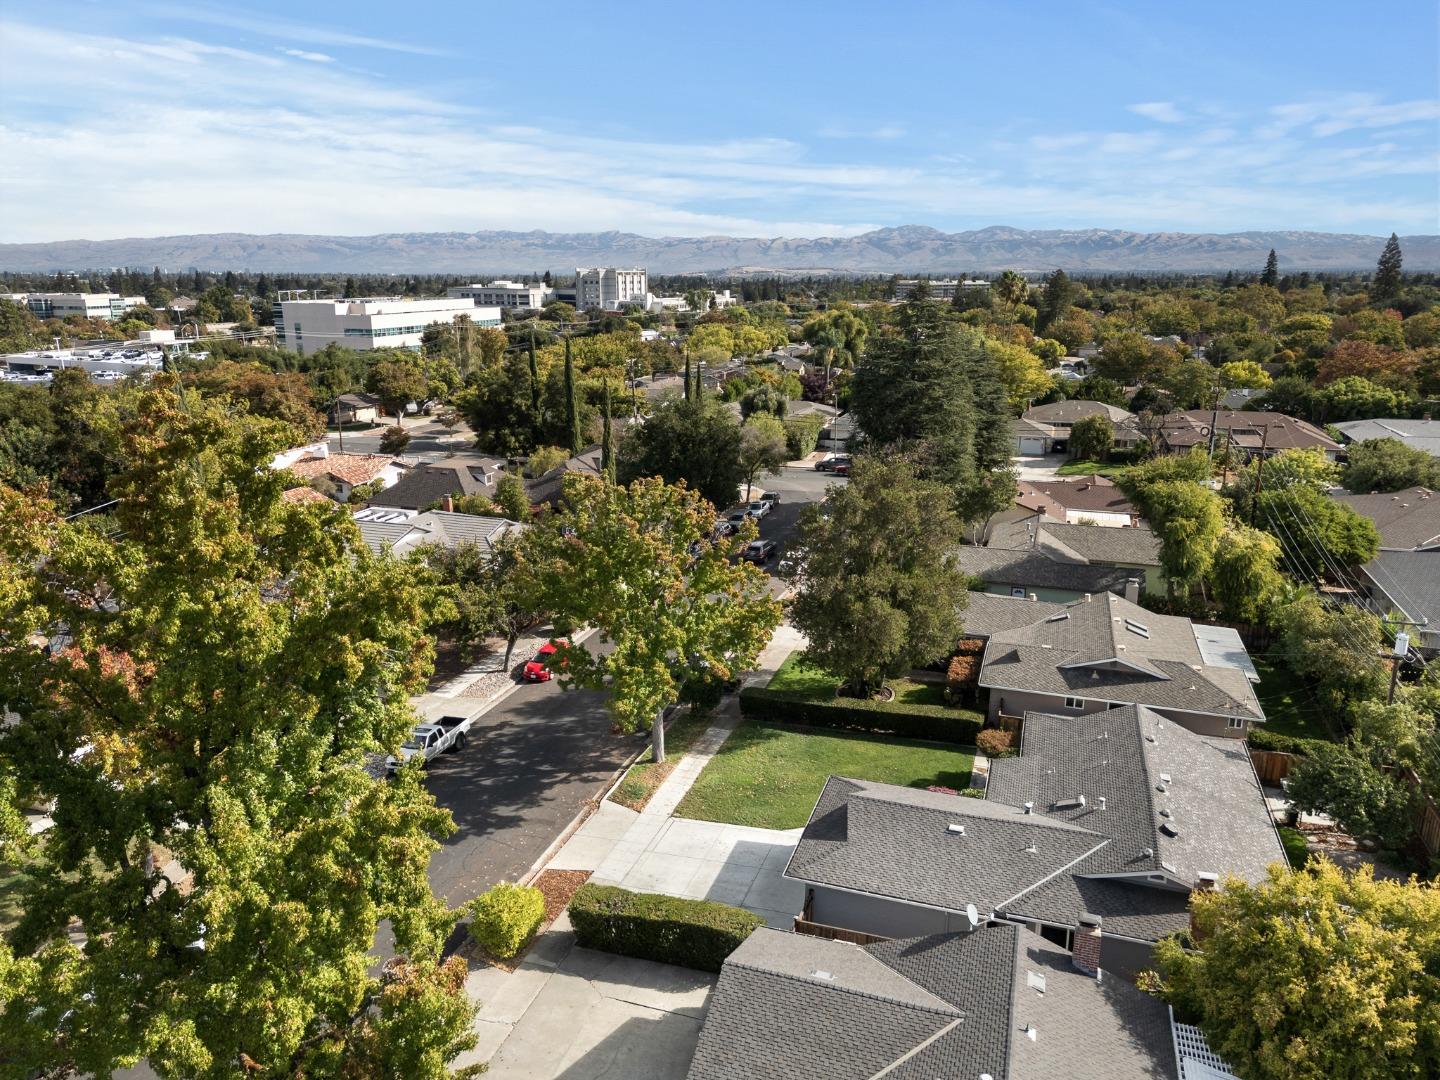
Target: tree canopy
697, 442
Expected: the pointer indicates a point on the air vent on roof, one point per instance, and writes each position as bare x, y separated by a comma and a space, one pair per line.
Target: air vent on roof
1164, 813
1169, 867
1169, 828
1059, 617
1077, 803
1136, 628
956, 828
1164, 777
1029, 808
822, 975
1030, 1032
1035, 980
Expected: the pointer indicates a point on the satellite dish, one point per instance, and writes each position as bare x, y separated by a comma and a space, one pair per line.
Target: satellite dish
972, 915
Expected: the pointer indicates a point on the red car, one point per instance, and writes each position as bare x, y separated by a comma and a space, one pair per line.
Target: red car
536, 669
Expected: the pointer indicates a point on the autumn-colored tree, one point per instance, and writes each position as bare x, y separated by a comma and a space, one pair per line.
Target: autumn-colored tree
220, 860
638, 564
1319, 974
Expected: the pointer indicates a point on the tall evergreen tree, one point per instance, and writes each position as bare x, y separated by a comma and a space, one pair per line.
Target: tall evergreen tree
607, 440
534, 383
1271, 276
687, 375
1386, 285
572, 404
1055, 301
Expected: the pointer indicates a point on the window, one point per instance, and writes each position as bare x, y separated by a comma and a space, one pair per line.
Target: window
1235, 723
1017, 592
1076, 703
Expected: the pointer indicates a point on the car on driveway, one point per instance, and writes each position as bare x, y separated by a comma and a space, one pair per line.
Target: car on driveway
759, 508
537, 669
738, 517
771, 497
759, 551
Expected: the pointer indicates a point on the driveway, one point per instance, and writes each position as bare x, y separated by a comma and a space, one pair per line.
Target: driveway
1039, 466
531, 763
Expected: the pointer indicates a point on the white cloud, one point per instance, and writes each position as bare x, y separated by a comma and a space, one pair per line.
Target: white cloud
288, 29
1164, 112
884, 131
313, 57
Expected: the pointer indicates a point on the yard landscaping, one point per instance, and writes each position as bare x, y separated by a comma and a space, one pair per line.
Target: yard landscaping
1086, 468
1289, 705
769, 775
645, 776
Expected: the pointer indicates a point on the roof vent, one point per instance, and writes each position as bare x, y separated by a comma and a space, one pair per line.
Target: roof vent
1169, 828
1035, 980
1148, 853
1029, 808
1170, 867
1058, 617
1077, 803
1030, 1032
823, 975
1164, 813
1164, 778
956, 828
1102, 802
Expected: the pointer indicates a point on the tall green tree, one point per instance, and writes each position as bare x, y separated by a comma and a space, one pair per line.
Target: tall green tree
763, 448
1189, 520
572, 406
1092, 437
1271, 274
637, 563
1321, 537
690, 441
1321, 974
397, 383
1055, 301
879, 588
1386, 283
607, 441
534, 383
1245, 573
231, 660
1388, 465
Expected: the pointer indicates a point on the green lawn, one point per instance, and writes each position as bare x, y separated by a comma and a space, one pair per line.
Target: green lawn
796, 676
910, 692
11, 881
1085, 468
1289, 705
645, 776
769, 776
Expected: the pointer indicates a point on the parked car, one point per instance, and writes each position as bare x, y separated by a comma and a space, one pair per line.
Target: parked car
427, 741
771, 497
842, 466
836, 463
724, 528
759, 508
825, 464
759, 551
738, 516
537, 669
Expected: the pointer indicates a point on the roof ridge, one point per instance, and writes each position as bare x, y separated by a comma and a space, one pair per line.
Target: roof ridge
946, 1010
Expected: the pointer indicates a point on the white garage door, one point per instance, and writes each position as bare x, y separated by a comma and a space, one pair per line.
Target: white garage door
1032, 446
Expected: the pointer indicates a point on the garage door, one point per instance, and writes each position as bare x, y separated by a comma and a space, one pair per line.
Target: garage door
1032, 446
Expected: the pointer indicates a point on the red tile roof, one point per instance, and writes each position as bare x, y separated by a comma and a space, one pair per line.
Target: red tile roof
303, 494
351, 468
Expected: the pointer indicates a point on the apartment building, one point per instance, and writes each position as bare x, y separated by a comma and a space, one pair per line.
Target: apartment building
515, 295
609, 288
380, 322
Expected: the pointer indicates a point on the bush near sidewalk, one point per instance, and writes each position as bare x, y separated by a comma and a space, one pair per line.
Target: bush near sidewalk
696, 934
940, 722
505, 917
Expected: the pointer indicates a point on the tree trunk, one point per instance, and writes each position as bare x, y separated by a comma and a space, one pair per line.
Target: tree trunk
657, 737
510, 647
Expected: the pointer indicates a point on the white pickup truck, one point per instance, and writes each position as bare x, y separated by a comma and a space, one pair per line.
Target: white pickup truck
431, 739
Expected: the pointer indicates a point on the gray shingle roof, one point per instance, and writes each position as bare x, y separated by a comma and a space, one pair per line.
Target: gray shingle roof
990, 613
970, 1000
382, 534
1416, 434
1093, 493
1035, 570
1096, 544
1109, 649
1406, 519
1412, 581
1067, 412
900, 843
1247, 429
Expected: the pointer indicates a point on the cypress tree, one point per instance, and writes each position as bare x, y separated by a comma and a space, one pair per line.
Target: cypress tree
607, 441
687, 375
1271, 276
1386, 285
572, 406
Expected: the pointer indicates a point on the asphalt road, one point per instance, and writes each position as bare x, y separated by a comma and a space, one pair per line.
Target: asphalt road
797, 488
530, 764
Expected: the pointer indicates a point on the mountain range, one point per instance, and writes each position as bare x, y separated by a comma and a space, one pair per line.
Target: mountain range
909, 249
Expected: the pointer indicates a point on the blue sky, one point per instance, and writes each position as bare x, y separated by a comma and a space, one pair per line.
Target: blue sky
794, 119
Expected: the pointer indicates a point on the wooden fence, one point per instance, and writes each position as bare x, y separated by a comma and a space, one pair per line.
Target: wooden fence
835, 933
1271, 766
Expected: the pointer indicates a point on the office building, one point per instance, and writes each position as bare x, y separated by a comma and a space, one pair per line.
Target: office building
940, 288
515, 295
55, 305
383, 322
609, 288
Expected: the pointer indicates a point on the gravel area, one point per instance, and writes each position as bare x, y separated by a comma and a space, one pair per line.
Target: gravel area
559, 886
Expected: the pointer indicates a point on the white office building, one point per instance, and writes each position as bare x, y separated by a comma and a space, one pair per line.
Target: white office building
609, 288
383, 322
58, 305
940, 288
515, 295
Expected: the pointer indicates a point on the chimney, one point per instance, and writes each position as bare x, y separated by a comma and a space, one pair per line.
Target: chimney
1087, 598
322, 449
449, 505
1085, 952
1032, 598
1132, 590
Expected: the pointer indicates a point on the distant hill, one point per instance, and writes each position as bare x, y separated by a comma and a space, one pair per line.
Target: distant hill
907, 249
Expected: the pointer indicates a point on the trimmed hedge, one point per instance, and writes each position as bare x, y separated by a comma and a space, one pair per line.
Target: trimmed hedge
1260, 738
801, 435
505, 917
696, 934
935, 722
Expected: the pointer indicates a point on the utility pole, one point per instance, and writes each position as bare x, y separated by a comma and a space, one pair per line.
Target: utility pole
1402, 650
1259, 472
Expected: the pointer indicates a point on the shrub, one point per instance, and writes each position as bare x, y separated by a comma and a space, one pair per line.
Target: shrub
505, 917
995, 742
697, 934
1261, 738
394, 440
858, 714
801, 435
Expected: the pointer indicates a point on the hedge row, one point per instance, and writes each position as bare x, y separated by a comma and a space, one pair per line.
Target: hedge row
696, 934
855, 714
1260, 738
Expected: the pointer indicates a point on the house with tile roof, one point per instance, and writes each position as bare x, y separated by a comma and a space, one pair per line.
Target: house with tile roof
1105, 652
1404, 576
1001, 1002
1136, 549
337, 475
1102, 826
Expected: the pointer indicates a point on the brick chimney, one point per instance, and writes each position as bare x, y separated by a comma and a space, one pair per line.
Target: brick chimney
1085, 953
449, 505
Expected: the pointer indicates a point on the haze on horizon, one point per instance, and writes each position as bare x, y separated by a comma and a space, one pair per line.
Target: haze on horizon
800, 120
